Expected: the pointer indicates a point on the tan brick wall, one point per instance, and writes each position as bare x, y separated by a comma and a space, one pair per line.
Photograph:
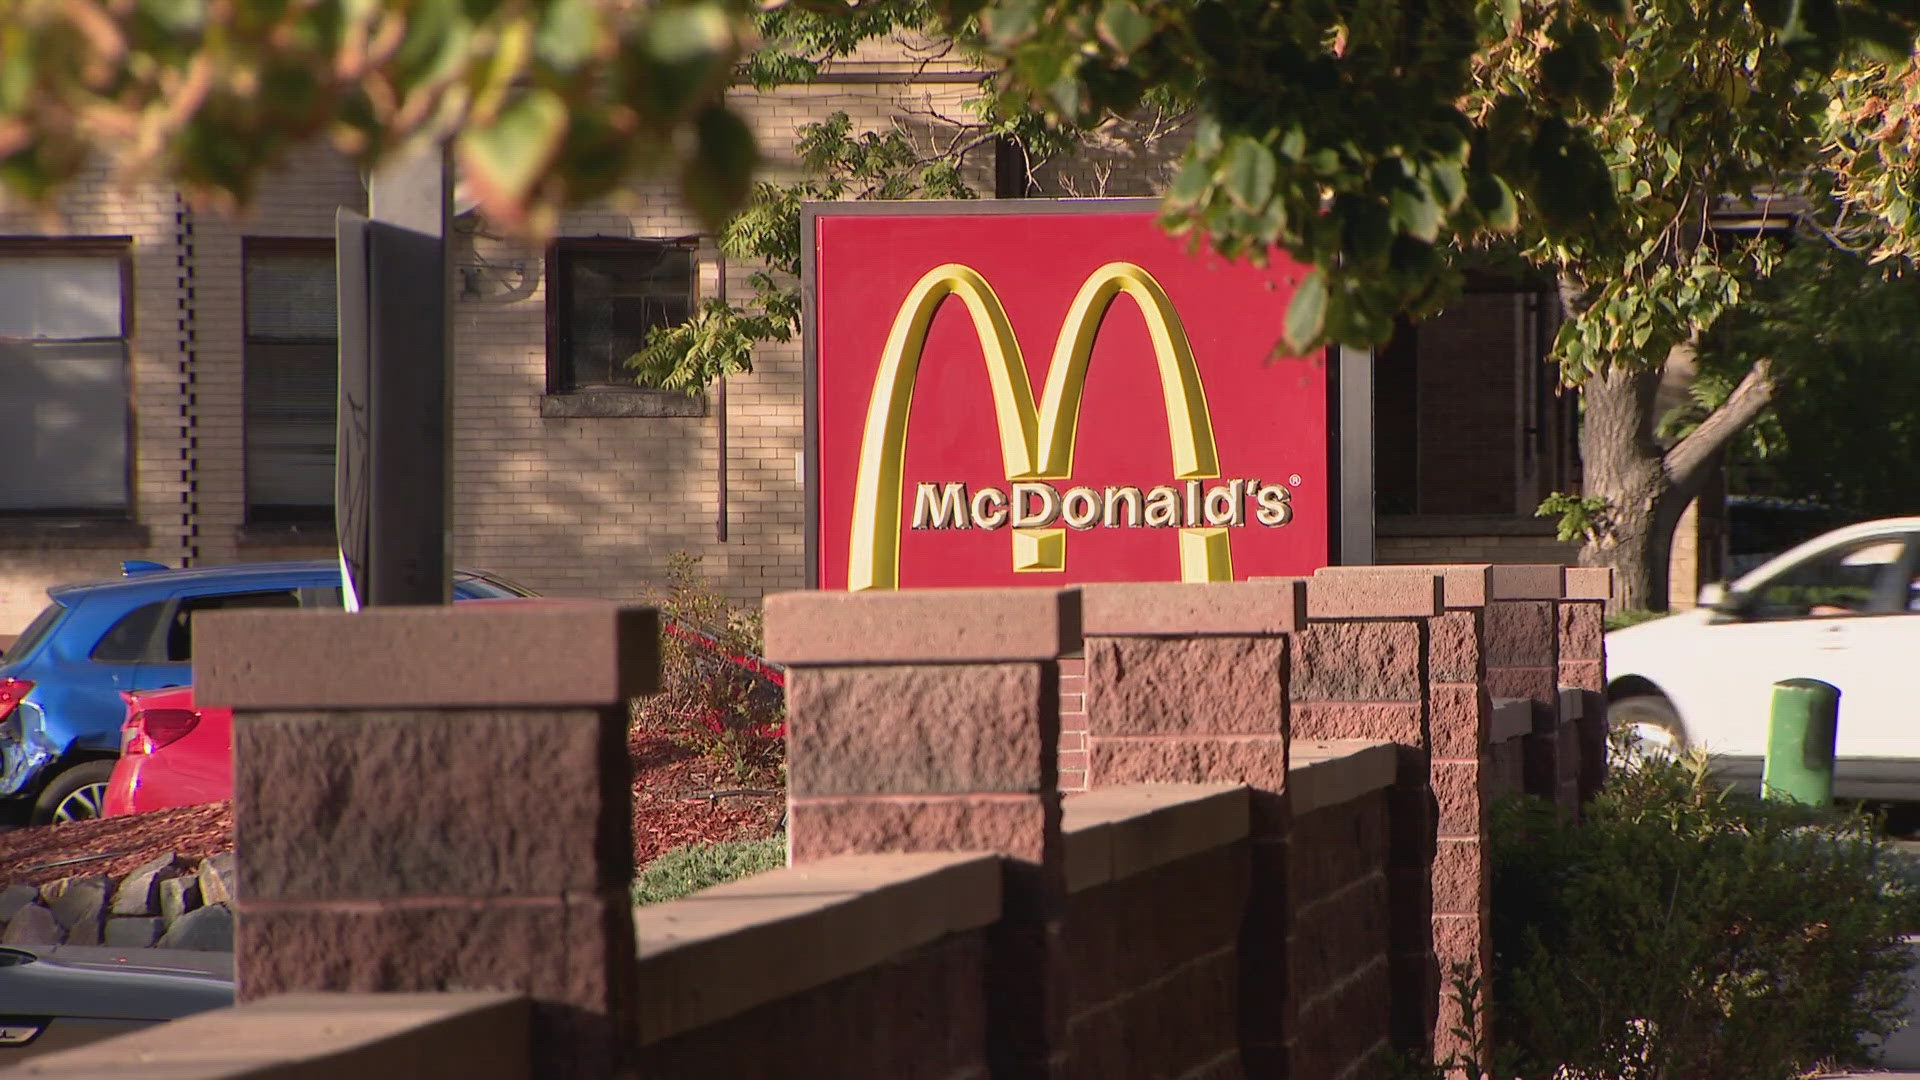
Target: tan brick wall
151, 217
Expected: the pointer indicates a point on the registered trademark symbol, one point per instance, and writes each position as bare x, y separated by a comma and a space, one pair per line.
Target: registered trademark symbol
1294, 479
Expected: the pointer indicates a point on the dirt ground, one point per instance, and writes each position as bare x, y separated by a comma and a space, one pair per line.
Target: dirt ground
679, 797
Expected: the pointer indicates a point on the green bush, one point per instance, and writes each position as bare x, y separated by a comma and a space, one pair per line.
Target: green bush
698, 866
1685, 932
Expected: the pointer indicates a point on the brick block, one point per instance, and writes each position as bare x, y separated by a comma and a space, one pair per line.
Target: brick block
1581, 630
1168, 608
1537, 684
1589, 583
1391, 721
1538, 581
1186, 686
1373, 593
937, 625
1259, 761
1453, 647
1458, 717
1341, 1028
1459, 877
1460, 791
1521, 633
1541, 754
573, 955
1339, 934
1584, 674
923, 729
431, 803
1019, 826
1357, 661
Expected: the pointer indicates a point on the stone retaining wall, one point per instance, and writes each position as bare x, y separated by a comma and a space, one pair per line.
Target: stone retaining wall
169, 903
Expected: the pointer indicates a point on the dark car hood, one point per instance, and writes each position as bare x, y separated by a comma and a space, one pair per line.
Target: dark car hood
113, 984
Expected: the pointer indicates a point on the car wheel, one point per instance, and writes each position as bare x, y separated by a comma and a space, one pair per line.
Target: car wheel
1652, 721
78, 794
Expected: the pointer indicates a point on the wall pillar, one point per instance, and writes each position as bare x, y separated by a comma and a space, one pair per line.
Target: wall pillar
929, 720
1583, 667
438, 799
1187, 683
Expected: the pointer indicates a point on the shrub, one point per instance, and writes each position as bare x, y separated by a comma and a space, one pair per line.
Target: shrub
1620, 620
1685, 932
713, 699
698, 866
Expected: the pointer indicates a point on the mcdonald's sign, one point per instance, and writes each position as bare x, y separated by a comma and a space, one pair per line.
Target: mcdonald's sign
1036, 392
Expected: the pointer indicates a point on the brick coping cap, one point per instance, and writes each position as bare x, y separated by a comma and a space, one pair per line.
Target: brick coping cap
705, 957
462, 1033
1378, 592
1114, 833
1471, 585
1328, 772
472, 655
1190, 609
922, 626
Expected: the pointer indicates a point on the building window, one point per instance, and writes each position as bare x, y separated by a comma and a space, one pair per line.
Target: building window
292, 368
603, 297
64, 404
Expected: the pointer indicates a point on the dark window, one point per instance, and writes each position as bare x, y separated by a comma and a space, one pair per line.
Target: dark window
180, 631
131, 639
292, 364
603, 297
63, 378
37, 630
1852, 580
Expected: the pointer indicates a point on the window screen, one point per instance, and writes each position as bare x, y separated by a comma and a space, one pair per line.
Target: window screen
606, 296
292, 364
63, 385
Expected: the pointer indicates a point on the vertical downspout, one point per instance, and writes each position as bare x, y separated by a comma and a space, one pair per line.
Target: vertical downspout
720, 419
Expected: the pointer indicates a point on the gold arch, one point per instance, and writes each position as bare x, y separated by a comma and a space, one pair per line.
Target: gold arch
1032, 445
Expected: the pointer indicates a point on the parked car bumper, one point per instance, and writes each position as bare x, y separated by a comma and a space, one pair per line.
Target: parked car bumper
25, 750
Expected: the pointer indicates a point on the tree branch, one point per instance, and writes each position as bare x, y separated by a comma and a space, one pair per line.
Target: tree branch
1687, 461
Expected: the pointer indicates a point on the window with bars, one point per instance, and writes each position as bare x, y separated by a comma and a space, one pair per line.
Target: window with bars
292, 368
64, 385
603, 297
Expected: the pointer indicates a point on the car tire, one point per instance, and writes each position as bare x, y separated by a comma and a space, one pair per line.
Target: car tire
77, 794
1652, 719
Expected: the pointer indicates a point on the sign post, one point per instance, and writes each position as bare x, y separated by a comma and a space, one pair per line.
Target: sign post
392, 481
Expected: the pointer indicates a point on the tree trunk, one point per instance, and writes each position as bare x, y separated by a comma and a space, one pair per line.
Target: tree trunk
1621, 463
1647, 489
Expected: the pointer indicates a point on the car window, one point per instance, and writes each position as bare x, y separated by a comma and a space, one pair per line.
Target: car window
488, 587
131, 639
37, 630
1847, 580
180, 630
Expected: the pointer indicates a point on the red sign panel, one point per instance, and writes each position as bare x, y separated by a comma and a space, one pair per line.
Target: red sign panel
1054, 395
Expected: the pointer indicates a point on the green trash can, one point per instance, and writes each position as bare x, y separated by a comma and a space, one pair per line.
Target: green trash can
1800, 736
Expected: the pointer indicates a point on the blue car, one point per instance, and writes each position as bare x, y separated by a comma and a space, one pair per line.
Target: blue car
60, 683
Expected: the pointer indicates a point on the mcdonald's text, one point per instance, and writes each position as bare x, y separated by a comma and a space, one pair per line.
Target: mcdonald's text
1038, 505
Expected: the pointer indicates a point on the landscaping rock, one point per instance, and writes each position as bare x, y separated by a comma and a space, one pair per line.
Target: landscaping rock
32, 925
216, 879
208, 929
134, 931
139, 891
86, 931
82, 898
178, 896
13, 898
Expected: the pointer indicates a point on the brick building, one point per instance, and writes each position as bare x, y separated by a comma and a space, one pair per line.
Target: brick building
168, 391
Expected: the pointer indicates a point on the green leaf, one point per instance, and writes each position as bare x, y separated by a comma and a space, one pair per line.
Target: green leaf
505, 159
1307, 313
1249, 172
1510, 15
1193, 183
1123, 27
719, 174
1494, 199
1415, 212
569, 29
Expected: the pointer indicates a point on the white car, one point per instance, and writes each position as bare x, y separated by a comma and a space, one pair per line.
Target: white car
1843, 608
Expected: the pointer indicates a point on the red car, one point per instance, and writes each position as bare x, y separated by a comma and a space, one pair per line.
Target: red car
171, 754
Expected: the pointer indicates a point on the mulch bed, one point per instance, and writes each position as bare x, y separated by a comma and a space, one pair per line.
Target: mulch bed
674, 804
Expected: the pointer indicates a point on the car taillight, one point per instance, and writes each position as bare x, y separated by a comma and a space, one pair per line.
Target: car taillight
151, 729
11, 691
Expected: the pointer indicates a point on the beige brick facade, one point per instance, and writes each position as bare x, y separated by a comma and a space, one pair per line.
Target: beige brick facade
571, 506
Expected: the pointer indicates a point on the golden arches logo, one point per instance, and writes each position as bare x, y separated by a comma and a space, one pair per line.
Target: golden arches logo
1035, 444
